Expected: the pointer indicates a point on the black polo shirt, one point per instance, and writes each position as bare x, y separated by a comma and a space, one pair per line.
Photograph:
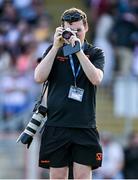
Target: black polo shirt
66, 112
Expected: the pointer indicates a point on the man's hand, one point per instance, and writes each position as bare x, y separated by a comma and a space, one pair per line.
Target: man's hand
73, 39
58, 39
25, 139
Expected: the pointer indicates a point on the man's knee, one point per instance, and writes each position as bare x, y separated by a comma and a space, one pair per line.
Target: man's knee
82, 171
59, 173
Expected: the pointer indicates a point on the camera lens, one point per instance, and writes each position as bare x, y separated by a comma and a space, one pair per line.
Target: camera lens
26, 136
66, 34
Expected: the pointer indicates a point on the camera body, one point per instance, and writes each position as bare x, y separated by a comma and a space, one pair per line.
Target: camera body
67, 33
36, 121
68, 49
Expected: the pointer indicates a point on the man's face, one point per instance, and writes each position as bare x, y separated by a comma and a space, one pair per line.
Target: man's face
79, 27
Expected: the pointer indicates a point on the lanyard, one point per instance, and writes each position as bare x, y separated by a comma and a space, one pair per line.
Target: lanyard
75, 74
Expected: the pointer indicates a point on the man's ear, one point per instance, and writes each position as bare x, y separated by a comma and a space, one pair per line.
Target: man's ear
86, 27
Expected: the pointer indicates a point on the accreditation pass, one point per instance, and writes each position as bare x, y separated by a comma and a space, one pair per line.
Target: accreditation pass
76, 93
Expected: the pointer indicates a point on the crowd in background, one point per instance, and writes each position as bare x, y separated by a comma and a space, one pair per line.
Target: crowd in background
114, 26
119, 162
24, 36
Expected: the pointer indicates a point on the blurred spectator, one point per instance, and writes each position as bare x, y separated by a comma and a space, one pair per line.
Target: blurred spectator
15, 92
41, 11
96, 9
9, 13
41, 35
134, 39
123, 6
22, 4
26, 10
12, 41
131, 157
102, 39
113, 159
5, 58
125, 26
24, 36
26, 60
135, 61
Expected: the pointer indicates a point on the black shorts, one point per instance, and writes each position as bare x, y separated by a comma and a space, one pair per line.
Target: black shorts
62, 146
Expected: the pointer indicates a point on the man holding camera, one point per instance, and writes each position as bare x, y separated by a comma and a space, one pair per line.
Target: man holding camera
73, 69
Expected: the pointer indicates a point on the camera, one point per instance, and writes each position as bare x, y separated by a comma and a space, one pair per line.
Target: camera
68, 49
36, 121
67, 33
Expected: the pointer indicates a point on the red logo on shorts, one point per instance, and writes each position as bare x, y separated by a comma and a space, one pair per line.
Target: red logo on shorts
45, 161
98, 156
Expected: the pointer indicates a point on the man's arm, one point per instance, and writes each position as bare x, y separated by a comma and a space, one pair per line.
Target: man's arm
43, 69
94, 74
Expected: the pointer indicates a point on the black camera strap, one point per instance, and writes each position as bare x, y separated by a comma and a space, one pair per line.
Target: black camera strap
45, 84
39, 101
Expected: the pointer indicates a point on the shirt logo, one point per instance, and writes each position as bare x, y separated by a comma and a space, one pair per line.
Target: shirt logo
98, 156
62, 58
45, 161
